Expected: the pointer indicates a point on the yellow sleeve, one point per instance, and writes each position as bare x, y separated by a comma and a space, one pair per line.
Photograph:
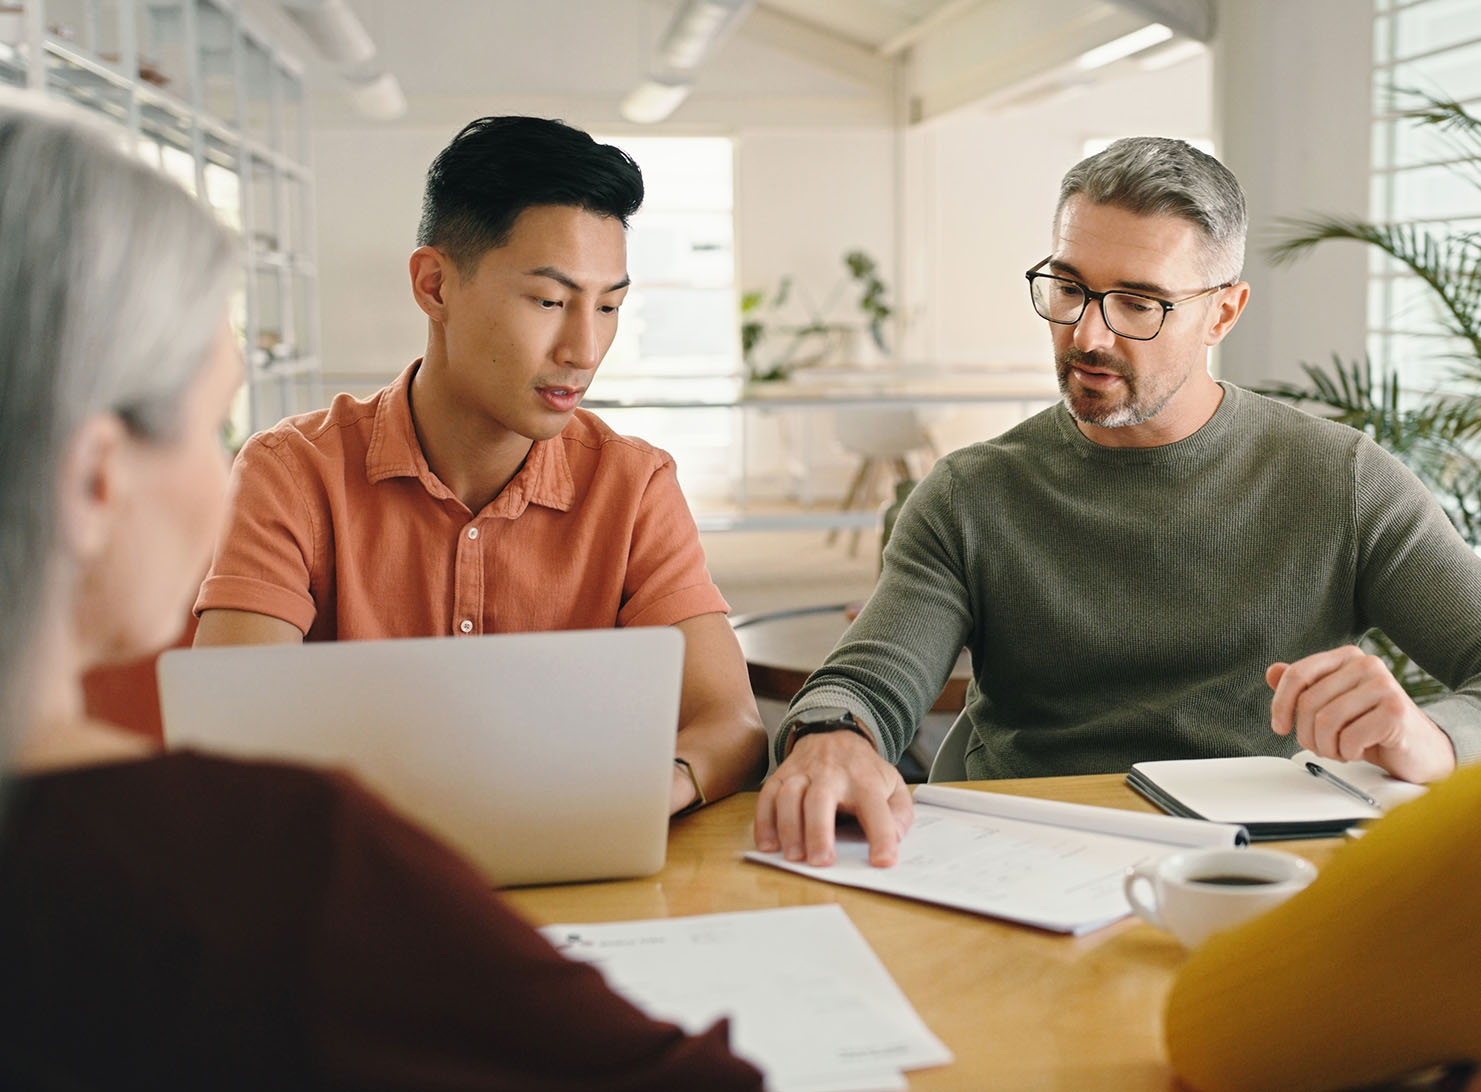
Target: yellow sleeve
1370, 972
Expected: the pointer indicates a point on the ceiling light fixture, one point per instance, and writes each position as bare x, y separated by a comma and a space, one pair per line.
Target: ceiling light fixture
333, 28
1124, 46
380, 98
652, 101
342, 40
1171, 54
698, 27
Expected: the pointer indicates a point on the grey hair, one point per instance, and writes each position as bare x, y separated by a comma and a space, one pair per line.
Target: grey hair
113, 286
1159, 176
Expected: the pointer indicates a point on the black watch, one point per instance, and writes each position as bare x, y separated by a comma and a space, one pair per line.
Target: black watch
825, 718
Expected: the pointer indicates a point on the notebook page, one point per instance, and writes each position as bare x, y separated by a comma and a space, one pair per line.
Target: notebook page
1253, 789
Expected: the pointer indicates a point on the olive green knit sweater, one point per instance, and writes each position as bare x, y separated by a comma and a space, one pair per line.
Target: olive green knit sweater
1122, 604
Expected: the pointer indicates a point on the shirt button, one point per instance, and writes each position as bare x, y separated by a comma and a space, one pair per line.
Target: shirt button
473, 532
466, 625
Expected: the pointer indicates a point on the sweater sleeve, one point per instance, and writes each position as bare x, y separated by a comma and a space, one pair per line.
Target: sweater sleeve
1367, 974
1420, 583
894, 659
421, 977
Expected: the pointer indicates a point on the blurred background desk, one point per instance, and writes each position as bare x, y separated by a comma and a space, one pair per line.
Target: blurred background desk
1021, 1009
783, 647
776, 455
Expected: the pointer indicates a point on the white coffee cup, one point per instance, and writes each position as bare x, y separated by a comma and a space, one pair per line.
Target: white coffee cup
1198, 893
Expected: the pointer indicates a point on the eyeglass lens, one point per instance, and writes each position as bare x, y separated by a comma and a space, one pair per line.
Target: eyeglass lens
1063, 301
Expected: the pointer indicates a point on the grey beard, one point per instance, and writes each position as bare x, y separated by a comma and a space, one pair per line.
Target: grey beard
1120, 417
1123, 416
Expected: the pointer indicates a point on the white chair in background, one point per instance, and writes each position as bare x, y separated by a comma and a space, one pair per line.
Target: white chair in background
950, 763
883, 439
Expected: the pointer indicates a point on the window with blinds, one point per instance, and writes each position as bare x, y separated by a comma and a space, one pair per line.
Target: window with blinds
1430, 46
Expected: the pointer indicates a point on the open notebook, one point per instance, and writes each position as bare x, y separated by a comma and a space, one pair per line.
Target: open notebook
544, 757
1273, 798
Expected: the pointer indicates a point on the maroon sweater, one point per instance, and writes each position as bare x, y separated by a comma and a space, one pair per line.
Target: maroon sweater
190, 922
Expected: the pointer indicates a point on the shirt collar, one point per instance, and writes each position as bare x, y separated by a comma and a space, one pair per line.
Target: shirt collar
394, 452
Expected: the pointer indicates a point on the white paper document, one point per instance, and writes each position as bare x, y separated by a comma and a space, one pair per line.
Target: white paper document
809, 1002
1039, 862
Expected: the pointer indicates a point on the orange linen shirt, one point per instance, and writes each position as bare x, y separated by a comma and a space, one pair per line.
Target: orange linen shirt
339, 527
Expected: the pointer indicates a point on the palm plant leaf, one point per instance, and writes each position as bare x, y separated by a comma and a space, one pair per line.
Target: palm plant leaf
1436, 434
1349, 393
1461, 129
1450, 267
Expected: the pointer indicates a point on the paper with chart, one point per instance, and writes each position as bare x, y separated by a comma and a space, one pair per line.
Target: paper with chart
1039, 862
808, 1000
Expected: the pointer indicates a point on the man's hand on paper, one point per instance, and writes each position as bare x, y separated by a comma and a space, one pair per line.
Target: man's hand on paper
826, 773
1347, 705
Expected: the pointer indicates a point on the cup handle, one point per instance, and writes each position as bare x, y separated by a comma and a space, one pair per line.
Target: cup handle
1137, 877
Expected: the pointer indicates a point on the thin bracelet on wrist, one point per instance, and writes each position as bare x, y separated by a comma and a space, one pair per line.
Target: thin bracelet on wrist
699, 800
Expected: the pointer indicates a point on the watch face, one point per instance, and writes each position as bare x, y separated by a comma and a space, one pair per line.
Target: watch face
823, 714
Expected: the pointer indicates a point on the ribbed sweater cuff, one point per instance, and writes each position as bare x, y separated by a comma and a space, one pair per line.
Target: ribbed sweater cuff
1457, 717
828, 695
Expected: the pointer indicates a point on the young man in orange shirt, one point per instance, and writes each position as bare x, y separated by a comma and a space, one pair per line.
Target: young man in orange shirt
471, 495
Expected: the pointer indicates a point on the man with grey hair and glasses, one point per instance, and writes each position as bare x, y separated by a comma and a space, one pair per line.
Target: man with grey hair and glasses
1160, 566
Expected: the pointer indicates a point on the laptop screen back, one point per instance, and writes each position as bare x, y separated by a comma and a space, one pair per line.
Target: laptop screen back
543, 757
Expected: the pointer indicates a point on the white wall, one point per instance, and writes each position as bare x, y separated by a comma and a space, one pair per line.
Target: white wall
806, 197
984, 187
989, 52
1292, 99
368, 201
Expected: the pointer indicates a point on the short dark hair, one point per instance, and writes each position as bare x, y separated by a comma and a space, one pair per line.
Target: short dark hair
499, 166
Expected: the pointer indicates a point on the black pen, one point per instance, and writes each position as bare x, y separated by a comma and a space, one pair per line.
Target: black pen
1352, 790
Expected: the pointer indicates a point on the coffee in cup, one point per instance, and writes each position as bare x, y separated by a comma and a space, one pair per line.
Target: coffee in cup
1231, 880
1197, 893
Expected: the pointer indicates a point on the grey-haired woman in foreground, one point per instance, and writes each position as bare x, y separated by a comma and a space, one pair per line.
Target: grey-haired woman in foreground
176, 920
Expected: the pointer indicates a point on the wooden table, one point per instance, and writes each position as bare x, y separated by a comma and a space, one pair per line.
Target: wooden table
1021, 1009
782, 648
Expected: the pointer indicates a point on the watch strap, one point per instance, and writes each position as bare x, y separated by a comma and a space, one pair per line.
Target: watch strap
846, 723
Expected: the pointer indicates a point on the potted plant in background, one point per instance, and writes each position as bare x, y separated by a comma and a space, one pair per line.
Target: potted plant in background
1435, 432
773, 349
865, 273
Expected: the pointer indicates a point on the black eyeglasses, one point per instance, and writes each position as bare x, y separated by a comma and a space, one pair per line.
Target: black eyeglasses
1127, 314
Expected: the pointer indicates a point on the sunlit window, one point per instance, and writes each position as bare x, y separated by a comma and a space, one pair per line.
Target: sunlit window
678, 338
1433, 46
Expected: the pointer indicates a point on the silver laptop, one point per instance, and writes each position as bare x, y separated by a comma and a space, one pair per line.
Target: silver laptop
544, 757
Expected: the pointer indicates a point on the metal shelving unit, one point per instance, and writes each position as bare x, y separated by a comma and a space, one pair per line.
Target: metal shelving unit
199, 91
